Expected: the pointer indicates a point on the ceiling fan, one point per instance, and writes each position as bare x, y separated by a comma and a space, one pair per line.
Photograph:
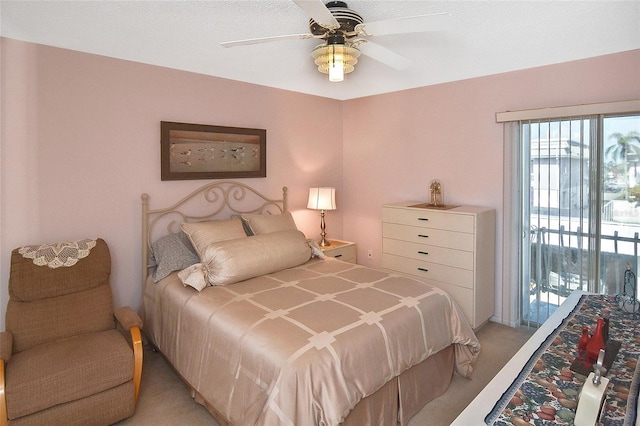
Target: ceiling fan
346, 36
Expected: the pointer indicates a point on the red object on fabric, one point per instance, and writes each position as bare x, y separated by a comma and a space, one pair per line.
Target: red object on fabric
582, 344
595, 343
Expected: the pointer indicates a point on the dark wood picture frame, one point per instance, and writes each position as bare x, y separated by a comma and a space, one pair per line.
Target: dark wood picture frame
200, 151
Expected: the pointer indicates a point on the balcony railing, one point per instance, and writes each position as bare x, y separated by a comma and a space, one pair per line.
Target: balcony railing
562, 255
560, 265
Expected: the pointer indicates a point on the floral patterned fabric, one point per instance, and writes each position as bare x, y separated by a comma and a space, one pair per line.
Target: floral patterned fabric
546, 391
62, 254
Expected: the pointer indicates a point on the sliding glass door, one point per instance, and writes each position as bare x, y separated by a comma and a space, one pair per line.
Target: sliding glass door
580, 208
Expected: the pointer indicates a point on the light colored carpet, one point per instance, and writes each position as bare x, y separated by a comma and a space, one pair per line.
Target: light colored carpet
499, 343
165, 400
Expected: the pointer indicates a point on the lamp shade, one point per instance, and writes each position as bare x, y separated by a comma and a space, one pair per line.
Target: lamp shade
322, 199
335, 59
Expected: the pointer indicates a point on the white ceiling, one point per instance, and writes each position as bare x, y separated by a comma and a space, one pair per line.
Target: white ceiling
488, 37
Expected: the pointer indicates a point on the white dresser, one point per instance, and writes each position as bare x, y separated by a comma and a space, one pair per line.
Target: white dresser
453, 249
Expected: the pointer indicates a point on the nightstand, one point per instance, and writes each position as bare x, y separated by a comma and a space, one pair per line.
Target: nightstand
342, 250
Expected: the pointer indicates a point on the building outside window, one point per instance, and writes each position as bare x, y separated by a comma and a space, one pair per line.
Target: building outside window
580, 208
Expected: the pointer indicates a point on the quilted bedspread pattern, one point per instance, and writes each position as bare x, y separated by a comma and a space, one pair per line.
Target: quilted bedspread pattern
303, 345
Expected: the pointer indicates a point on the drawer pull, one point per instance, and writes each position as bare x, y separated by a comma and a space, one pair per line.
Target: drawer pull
338, 255
423, 269
423, 252
423, 218
423, 236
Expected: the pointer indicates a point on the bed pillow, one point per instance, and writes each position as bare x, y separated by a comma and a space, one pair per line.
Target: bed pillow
201, 234
266, 223
228, 262
245, 224
172, 252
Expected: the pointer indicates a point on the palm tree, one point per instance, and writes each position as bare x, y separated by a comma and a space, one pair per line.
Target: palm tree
624, 146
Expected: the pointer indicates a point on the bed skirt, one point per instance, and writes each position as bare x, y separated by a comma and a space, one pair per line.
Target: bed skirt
397, 401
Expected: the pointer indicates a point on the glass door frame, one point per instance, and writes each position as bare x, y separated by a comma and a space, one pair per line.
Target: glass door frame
590, 136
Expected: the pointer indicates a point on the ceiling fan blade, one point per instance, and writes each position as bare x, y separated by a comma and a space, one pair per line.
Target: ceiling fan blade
318, 12
266, 40
409, 24
384, 55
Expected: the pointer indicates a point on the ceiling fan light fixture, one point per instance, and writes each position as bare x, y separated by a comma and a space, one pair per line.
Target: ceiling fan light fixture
336, 66
335, 60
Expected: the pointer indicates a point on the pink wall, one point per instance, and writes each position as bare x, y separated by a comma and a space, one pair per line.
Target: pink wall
80, 143
395, 144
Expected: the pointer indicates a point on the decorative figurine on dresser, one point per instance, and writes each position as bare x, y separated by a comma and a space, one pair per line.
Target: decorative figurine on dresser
436, 193
452, 247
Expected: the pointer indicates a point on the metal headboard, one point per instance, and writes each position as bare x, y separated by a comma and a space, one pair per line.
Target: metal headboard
218, 200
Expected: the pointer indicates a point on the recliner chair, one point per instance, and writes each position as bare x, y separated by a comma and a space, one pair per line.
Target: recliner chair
63, 359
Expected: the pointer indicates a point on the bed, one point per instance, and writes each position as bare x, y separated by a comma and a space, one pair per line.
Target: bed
264, 330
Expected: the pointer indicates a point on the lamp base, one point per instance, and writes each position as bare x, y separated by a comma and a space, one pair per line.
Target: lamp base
323, 241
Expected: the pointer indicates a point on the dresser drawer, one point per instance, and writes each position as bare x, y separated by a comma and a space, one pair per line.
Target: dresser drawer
341, 250
428, 270
464, 297
434, 237
426, 218
428, 253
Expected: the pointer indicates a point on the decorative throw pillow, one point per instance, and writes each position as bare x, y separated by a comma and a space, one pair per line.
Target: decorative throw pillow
228, 262
266, 223
172, 252
194, 276
201, 234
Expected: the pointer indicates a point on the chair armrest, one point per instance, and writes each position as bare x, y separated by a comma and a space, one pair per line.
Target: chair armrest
131, 321
3, 396
128, 318
6, 345
6, 348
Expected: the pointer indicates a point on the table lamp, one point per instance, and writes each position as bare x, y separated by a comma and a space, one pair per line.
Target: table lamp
322, 199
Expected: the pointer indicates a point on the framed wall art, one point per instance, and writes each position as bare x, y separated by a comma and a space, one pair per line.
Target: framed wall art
200, 151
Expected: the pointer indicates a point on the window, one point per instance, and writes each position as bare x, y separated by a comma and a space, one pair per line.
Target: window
577, 199
556, 212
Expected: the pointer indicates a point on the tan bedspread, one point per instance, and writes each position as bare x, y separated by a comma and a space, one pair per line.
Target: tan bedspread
302, 346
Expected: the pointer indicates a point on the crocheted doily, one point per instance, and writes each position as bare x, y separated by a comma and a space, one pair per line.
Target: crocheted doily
65, 253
